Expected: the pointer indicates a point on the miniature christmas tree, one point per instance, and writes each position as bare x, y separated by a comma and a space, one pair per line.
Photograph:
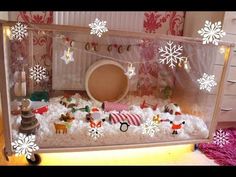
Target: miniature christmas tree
29, 123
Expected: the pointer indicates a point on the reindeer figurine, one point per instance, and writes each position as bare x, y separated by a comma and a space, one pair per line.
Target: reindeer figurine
60, 127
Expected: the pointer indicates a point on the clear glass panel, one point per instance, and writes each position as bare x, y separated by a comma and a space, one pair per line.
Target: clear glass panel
91, 102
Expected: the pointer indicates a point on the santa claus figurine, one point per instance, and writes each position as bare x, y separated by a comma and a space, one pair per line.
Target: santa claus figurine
176, 126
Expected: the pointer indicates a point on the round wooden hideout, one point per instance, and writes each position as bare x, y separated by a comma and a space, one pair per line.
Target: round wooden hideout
105, 81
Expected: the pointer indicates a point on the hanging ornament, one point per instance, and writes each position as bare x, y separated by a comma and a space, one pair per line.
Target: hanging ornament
87, 46
95, 47
72, 43
68, 56
222, 49
187, 66
185, 63
66, 41
120, 49
128, 48
130, 71
109, 48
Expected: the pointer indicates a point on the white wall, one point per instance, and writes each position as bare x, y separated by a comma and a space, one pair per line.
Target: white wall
3, 15
194, 21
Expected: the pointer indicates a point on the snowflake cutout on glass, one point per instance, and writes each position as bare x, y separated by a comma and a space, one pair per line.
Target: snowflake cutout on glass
98, 27
130, 71
68, 56
207, 82
19, 31
171, 54
150, 127
24, 145
37, 73
211, 32
221, 138
95, 132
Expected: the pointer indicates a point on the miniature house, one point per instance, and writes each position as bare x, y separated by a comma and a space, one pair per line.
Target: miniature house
147, 102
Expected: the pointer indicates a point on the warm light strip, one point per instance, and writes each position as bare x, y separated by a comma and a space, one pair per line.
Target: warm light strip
141, 156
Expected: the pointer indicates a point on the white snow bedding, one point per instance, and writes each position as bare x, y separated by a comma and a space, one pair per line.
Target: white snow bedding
77, 135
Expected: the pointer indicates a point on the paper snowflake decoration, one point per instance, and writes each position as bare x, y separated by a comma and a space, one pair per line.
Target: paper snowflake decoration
221, 138
95, 132
211, 32
207, 82
171, 54
98, 27
150, 127
130, 71
25, 145
68, 56
37, 73
19, 31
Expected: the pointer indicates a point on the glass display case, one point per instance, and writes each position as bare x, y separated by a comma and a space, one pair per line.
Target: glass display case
77, 91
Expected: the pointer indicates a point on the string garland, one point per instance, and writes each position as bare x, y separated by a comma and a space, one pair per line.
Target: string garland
94, 46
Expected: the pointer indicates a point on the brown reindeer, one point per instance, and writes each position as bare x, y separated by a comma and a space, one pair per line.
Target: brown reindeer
60, 127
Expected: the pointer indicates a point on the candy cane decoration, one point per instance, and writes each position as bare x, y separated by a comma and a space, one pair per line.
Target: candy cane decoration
132, 119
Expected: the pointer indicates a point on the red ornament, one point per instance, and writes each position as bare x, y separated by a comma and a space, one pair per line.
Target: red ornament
40, 110
95, 109
144, 104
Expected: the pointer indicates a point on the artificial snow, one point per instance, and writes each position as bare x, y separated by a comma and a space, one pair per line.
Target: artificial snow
78, 132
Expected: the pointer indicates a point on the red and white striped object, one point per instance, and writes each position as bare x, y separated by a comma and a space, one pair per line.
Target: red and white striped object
132, 119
